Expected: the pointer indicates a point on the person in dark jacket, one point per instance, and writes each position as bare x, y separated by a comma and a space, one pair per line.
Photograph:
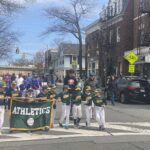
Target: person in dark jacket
72, 82
112, 88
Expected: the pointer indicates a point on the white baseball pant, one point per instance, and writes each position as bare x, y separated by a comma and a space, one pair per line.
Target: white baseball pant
65, 113
2, 112
88, 111
100, 115
77, 111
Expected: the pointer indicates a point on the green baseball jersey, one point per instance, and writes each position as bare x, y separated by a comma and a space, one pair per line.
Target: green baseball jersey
87, 97
2, 101
99, 100
52, 95
77, 98
65, 98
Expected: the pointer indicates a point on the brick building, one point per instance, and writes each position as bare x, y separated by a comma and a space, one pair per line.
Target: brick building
120, 28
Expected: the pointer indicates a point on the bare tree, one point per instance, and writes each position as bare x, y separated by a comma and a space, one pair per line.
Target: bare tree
23, 61
8, 7
69, 20
7, 38
39, 60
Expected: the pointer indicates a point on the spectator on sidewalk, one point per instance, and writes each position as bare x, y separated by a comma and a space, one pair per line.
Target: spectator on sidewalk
112, 88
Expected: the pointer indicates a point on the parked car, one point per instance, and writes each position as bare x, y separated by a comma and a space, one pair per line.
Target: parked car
133, 89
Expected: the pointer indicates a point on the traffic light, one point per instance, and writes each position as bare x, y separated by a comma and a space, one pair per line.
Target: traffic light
17, 50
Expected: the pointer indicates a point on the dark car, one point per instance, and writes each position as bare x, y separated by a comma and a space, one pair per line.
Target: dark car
132, 89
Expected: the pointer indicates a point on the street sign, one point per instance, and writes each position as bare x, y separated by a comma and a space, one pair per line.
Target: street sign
131, 58
131, 69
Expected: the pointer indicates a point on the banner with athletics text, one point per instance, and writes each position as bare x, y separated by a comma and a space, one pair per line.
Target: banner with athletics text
29, 116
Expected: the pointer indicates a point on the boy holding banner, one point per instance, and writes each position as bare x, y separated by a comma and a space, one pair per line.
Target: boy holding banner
66, 102
52, 95
43, 94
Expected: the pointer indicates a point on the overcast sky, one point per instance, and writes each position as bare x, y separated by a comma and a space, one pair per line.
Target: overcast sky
31, 22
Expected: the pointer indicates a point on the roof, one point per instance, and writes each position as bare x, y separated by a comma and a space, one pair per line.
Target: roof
93, 24
71, 49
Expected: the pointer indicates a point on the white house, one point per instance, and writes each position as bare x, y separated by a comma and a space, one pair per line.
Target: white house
68, 58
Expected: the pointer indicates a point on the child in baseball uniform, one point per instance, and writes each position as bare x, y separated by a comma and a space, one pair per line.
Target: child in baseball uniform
66, 103
52, 95
77, 110
2, 107
87, 100
99, 102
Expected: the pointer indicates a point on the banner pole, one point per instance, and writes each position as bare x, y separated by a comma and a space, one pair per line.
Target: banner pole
10, 113
51, 115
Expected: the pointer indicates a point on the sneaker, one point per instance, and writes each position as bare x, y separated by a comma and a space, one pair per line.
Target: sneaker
86, 124
101, 128
75, 126
46, 129
29, 131
66, 127
60, 124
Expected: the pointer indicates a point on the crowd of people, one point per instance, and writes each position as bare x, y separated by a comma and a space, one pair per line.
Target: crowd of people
74, 96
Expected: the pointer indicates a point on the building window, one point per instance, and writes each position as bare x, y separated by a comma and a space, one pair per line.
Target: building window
142, 26
93, 65
70, 59
119, 6
118, 34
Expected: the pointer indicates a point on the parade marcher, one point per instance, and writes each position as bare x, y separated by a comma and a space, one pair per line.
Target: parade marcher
87, 99
7, 79
13, 77
92, 82
22, 91
100, 102
2, 107
52, 95
36, 85
65, 99
77, 110
28, 81
112, 88
71, 81
29, 93
80, 84
10, 92
43, 92
19, 80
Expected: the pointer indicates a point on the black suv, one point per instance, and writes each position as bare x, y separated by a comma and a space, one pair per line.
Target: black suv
133, 89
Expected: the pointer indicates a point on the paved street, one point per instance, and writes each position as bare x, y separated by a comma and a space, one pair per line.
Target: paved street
128, 127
